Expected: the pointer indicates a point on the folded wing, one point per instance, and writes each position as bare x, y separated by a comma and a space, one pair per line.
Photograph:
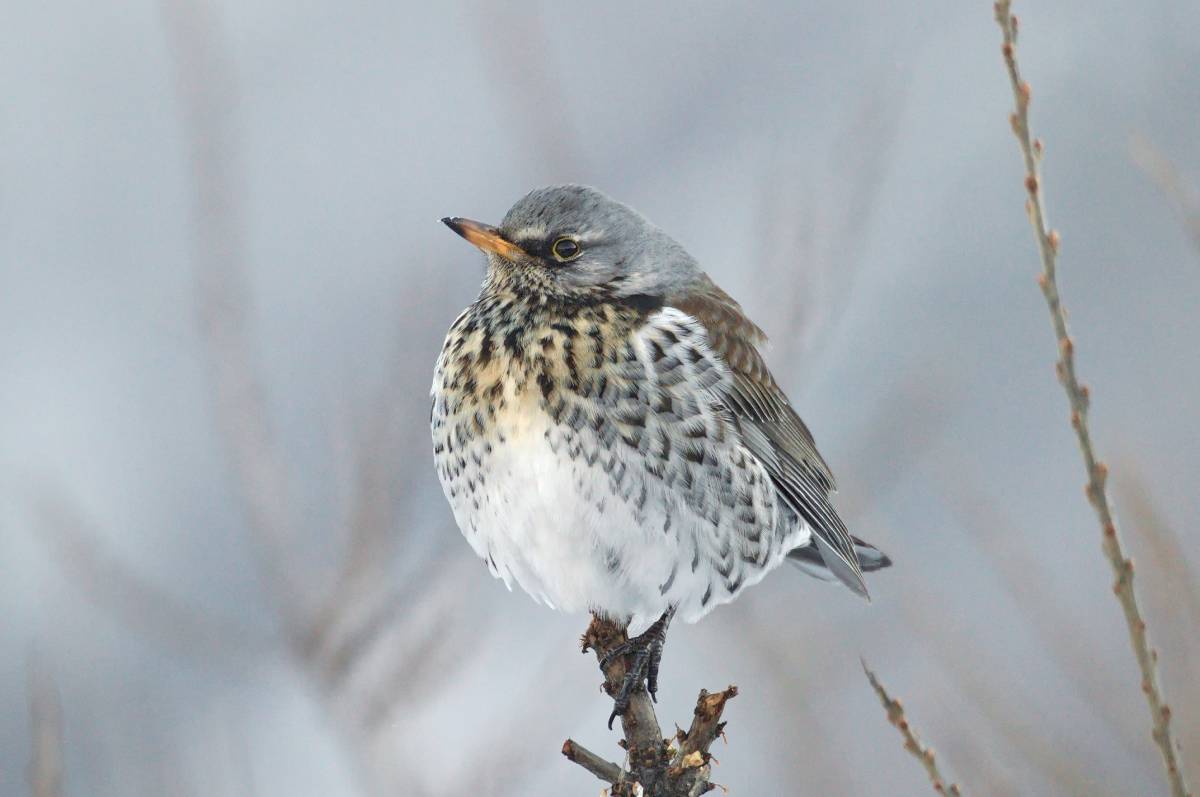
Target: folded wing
772, 430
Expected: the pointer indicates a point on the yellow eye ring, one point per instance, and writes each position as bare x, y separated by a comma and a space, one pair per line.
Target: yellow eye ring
566, 248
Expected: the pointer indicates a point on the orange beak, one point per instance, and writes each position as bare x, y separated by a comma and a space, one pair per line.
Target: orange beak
484, 236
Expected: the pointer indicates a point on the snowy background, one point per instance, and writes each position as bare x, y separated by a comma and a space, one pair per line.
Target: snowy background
224, 555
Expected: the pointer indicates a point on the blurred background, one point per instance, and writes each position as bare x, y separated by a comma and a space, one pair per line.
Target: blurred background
226, 565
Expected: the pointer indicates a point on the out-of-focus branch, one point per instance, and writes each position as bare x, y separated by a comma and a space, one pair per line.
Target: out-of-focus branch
336, 629
526, 84
912, 742
1028, 583
205, 91
1174, 594
1181, 581
1165, 174
372, 516
1004, 708
654, 768
811, 226
45, 733
133, 599
1078, 398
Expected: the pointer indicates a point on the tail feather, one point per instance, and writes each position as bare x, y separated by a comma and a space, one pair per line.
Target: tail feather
810, 560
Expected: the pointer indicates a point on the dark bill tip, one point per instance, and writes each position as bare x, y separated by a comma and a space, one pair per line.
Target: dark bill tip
483, 236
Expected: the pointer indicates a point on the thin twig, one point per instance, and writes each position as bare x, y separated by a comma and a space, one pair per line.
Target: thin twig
1078, 398
912, 742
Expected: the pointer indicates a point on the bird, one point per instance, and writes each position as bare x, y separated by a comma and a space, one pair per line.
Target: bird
609, 436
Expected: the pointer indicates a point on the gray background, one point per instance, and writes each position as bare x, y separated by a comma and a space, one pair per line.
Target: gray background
196, 197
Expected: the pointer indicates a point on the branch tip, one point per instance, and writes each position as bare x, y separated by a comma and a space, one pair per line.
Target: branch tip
912, 743
1048, 241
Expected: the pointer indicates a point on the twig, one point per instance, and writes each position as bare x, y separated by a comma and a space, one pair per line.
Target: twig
1078, 398
653, 768
912, 742
607, 771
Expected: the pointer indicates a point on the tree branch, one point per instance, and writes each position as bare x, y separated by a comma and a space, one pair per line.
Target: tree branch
1078, 398
912, 742
654, 768
607, 771
690, 765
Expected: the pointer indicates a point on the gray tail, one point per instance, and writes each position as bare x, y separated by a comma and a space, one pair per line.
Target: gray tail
810, 560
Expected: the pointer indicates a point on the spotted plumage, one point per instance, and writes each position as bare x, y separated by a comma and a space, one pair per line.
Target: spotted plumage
607, 432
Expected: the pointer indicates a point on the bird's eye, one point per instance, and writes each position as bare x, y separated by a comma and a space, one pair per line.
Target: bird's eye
565, 249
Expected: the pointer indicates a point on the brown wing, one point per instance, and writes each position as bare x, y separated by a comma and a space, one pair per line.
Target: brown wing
772, 430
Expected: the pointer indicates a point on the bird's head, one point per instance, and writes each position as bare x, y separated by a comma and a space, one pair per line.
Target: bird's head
574, 242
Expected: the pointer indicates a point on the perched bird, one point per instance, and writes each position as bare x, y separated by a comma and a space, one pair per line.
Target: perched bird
609, 436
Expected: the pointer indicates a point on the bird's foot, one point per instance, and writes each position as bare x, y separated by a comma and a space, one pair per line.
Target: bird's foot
643, 655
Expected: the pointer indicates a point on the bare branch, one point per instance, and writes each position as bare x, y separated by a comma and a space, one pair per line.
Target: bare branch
690, 765
653, 768
607, 771
643, 739
912, 742
1078, 399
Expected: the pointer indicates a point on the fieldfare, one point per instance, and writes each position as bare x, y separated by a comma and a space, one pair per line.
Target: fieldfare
609, 436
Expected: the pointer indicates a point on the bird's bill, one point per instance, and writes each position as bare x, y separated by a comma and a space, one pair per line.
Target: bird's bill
484, 236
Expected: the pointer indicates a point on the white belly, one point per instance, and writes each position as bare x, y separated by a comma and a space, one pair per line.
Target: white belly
551, 523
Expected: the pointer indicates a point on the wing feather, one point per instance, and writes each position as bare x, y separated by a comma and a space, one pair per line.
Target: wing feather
772, 430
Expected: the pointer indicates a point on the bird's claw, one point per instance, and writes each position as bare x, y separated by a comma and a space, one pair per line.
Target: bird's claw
644, 654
